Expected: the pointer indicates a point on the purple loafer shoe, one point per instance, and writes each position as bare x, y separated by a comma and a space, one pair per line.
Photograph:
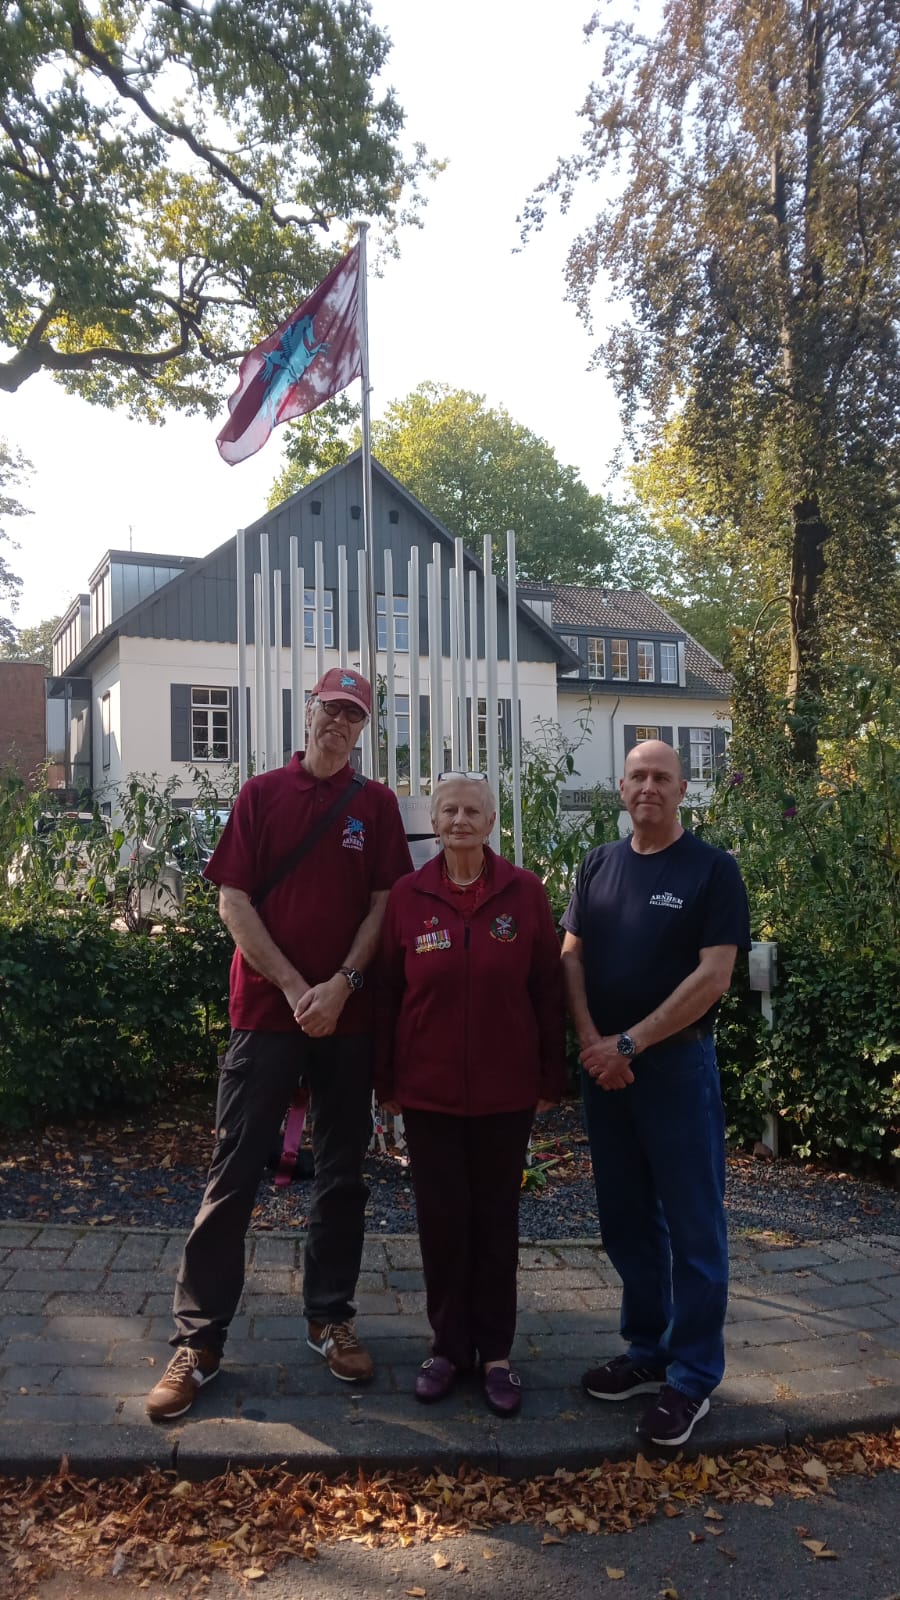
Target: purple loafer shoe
434, 1379
503, 1391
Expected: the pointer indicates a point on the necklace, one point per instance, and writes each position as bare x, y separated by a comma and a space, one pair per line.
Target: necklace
464, 883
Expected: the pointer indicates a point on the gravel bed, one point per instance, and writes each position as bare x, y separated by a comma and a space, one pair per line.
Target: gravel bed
151, 1174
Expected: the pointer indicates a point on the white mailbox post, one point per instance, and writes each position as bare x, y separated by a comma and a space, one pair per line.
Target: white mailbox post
763, 977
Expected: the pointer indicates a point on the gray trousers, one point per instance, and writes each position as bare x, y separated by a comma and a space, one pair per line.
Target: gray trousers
259, 1076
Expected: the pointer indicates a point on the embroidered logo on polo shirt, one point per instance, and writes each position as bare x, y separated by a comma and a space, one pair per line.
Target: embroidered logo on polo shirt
670, 902
354, 834
438, 939
503, 928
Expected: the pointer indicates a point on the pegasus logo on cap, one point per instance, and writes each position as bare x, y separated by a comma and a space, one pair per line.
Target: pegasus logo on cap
348, 682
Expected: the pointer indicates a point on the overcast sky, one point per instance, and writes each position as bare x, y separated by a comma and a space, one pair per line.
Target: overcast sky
494, 86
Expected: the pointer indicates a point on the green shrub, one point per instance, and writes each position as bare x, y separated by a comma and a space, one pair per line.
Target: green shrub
96, 1020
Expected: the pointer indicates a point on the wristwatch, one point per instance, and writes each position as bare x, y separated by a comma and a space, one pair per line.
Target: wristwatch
354, 979
626, 1045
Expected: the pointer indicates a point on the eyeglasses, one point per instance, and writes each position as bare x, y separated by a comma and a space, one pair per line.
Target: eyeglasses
473, 777
337, 708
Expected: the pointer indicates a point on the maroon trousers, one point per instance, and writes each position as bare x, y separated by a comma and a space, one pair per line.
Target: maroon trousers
467, 1177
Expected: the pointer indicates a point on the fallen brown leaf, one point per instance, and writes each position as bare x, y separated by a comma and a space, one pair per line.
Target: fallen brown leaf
615, 1573
696, 1538
819, 1549
441, 1561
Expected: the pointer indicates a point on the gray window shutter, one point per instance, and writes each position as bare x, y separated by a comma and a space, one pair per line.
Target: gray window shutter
235, 714
505, 730
666, 735
630, 732
180, 702
684, 749
720, 745
286, 740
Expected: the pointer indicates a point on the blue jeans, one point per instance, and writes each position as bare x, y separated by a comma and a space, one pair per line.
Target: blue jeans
658, 1153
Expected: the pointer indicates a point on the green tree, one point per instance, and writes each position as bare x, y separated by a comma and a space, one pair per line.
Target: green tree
752, 228
175, 178
13, 467
480, 472
32, 644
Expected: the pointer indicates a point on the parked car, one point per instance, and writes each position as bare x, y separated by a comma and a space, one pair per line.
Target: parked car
73, 849
174, 849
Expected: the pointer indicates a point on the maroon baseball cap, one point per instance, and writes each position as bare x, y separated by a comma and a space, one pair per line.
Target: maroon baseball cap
341, 683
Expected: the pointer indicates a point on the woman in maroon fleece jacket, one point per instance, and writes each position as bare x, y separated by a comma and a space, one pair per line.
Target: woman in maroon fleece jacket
471, 1044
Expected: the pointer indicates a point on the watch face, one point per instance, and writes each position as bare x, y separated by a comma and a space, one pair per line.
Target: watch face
625, 1045
354, 978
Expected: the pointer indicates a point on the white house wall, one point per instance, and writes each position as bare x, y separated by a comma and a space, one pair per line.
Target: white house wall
144, 670
601, 756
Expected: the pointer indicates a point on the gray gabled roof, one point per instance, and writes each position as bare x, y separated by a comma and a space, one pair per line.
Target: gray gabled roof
630, 611
199, 602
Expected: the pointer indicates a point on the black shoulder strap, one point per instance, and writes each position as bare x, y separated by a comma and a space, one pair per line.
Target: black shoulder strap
289, 862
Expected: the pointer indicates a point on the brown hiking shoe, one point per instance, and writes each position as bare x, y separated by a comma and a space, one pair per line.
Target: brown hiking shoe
187, 1372
346, 1357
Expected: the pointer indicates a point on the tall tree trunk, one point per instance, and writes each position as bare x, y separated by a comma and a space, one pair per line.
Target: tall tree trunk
804, 687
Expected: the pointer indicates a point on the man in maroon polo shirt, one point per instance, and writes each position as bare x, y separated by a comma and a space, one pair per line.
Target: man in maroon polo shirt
299, 1007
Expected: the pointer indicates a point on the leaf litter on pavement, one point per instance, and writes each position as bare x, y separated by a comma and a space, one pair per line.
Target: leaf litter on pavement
168, 1530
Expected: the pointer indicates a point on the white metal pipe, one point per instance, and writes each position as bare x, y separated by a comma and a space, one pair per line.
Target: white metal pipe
514, 718
276, 670
320, 609
243, 746
455, 747
365, 745
343, 607
265, 640
436, 667
389, 670
259, 683
490, 673
298, 709
459, 686
415, 745
473, 665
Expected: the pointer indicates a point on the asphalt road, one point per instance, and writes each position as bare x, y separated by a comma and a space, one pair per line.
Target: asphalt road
758, 1556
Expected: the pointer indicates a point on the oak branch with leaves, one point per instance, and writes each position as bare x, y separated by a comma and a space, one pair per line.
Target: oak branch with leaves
176, 178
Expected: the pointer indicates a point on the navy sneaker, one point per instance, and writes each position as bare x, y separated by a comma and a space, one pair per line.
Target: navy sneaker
671, 1420
620, 1378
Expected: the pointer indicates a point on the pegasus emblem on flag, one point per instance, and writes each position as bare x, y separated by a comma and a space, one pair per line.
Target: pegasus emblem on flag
285, 365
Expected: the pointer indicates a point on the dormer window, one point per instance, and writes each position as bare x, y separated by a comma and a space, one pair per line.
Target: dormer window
618, 649
646, 666
668, 663
596, 658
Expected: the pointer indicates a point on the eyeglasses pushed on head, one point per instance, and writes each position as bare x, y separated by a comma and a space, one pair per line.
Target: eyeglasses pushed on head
473, 777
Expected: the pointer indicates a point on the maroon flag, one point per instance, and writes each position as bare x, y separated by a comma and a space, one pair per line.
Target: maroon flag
313, 355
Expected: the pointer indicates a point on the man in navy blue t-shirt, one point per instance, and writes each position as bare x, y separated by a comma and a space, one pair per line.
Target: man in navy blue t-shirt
652, 931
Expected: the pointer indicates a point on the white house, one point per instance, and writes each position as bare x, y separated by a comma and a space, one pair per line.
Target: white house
145, 664
639, 676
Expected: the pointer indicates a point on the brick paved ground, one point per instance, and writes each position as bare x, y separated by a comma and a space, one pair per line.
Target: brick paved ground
813, 1347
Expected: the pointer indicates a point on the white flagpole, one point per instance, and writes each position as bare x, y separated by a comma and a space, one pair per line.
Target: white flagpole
242, 707
368, 529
